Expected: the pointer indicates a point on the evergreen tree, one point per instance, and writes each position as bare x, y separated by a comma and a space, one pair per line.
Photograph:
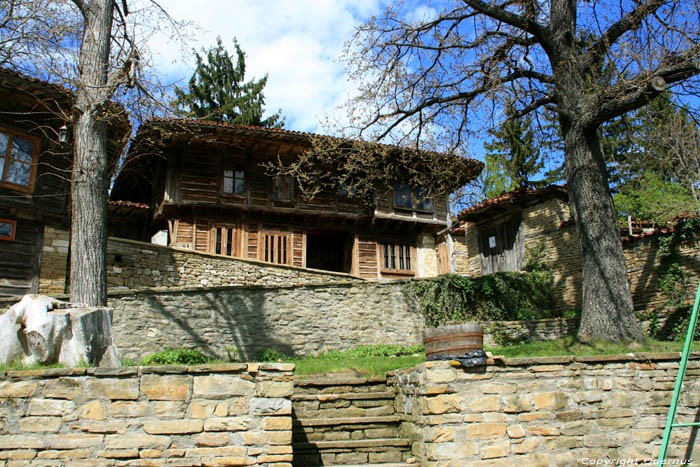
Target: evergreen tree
217, 91
513, 157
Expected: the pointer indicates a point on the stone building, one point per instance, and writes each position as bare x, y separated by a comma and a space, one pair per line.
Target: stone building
210, 192
499, 233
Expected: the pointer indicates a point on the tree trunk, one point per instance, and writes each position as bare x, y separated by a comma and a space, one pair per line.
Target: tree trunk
90, 164
607, 309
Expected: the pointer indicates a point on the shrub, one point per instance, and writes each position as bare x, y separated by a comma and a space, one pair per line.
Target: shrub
271, 355
176, 357
503, 296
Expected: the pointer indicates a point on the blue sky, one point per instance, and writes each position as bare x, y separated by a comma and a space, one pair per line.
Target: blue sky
298, 44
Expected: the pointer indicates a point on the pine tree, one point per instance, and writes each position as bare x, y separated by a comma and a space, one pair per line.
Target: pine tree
513, 157
217, 91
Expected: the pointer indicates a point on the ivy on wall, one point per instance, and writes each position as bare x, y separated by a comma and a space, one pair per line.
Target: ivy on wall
502, 296
673, 280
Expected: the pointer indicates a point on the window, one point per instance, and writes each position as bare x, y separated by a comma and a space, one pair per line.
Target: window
396, 257
7, 229
276, 248
224, 240
283, 188
234, 181
412, 198
17, 160
346, 189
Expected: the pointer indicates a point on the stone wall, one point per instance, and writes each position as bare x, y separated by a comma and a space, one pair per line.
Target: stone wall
297, 320
553, 411
533, 330
134, 265
235, 414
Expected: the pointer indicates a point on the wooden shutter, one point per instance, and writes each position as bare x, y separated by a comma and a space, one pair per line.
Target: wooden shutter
501, 247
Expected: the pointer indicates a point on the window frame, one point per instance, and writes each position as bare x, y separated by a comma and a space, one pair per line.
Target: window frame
397, 257
235, 234
284, 185
29, 187
269, 254
235, 169
11, 237
404, 193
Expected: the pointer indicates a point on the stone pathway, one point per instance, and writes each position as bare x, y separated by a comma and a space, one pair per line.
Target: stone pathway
346, 421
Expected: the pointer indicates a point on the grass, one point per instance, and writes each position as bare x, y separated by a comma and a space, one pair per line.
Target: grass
371, 366
571, 346
19, 366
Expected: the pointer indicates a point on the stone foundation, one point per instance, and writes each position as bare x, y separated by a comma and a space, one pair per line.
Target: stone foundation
235, 414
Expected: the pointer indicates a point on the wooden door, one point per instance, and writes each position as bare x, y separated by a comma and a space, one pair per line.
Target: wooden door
501, 246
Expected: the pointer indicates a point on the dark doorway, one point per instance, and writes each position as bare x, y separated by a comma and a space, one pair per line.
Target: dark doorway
330, 251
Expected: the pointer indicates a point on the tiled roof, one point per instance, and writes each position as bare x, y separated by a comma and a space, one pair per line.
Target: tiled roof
520, 193
263, 131
37, 81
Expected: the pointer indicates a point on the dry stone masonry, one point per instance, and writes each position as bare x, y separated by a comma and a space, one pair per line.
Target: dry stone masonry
553, 411
138, 265
298, 320
233, 414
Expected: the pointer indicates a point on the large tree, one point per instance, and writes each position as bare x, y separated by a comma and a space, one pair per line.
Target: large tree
217, 91
45, 38
436, 73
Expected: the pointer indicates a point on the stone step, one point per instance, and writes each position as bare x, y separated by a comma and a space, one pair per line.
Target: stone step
339, 385
354, 444
344, 412
401, 464
347, 420
352, 396
352, 452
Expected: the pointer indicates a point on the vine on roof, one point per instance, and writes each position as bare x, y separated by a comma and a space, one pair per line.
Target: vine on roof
362, 169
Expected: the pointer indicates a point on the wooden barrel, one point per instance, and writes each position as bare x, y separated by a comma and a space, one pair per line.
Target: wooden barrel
453, 340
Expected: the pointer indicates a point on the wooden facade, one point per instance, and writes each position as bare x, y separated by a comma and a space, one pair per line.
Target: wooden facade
213, 194
35, 170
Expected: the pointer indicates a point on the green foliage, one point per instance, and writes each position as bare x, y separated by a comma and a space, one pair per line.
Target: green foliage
176, 357
652, 159
217, 91
650, 197
571, 346
503, 296
271, 355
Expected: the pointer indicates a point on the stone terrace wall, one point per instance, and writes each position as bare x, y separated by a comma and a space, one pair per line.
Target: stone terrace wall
236, 414
134, 265
555, 411
642, 260
295, 320
532, 330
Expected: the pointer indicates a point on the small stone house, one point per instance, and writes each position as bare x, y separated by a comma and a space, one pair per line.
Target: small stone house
35, 171
208, 191
499, 233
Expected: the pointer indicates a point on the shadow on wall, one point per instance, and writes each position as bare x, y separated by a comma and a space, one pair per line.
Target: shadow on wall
214, 323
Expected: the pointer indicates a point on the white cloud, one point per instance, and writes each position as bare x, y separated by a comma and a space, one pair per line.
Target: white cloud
297, 44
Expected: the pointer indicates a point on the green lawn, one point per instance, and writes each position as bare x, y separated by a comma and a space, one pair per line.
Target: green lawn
379, 365
570, 346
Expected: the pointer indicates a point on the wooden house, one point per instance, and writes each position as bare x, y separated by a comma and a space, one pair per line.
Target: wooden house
35, 171
210, 191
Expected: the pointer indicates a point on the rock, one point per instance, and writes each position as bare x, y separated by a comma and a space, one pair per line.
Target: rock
31, 331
